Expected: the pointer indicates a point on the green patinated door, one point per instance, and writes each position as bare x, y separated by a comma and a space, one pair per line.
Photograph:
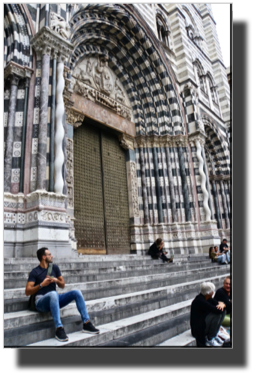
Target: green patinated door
100, 192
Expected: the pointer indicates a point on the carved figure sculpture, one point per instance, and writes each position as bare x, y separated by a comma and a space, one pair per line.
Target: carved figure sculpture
102, 77
58, 24
119, 94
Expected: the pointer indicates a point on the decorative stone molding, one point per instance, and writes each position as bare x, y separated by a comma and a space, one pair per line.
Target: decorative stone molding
59, 25
126, 142
14, 69
74, 118
93, 79
14, 201
46, 39
197, 136
69, 176
42, 198
134, 183
220, 177
52, 216
156, 141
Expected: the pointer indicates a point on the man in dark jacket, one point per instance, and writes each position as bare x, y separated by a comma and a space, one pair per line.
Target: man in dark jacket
225, 249
207, 315
223, 294
156, 251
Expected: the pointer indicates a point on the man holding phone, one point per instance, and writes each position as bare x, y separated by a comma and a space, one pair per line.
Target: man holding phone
47, 298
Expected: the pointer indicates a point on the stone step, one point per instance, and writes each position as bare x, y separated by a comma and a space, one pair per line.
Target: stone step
184, 339
19, 279
112, 287
27, 327
118, 329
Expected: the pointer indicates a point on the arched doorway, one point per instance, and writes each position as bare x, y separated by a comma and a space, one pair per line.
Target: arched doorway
100, 191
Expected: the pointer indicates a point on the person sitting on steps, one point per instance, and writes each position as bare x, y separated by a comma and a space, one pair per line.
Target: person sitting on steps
156, 251
215, 256
47, 299
225, 249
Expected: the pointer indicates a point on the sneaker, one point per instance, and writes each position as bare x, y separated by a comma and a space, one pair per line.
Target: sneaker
223, 334
89, 328
61, 335
171, 260
219, 341
212, 343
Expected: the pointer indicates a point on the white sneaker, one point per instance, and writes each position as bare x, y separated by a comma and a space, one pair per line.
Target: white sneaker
219, 341
212, 343
223, 334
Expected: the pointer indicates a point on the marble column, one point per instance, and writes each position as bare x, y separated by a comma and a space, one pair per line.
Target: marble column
52, 122
59, 133
203, 181
10, 133
224, 204
157, 184
43, 120
171, 184
144, 186
219, 225
21, 181
184, 185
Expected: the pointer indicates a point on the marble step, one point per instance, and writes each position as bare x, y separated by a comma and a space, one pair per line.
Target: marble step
184, 339
27, 327
118, 329
19, 279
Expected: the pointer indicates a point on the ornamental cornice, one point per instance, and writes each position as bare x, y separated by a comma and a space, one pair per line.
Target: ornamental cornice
47, 42
164, 141
14, 69
197, 136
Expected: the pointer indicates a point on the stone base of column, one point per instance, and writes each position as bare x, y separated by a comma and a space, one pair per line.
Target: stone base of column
179, 238
37, 220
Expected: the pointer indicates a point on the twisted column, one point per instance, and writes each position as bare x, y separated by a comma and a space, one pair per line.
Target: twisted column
203, 181
59, 134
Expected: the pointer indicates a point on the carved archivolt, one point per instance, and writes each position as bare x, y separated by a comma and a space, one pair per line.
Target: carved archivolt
93, 79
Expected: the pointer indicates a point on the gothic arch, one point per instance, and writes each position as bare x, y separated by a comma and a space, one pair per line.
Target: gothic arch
135, 57
217, 147
17, 32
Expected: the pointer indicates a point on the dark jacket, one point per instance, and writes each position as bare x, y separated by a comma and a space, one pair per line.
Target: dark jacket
199, 309
221, 296
154, 251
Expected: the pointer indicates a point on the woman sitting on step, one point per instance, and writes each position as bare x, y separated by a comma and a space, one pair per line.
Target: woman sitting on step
215, 256
156, 251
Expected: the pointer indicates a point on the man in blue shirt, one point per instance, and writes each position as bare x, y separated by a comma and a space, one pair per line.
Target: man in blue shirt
47, 298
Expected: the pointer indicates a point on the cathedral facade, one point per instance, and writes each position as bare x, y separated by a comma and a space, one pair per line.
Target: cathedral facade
116, 129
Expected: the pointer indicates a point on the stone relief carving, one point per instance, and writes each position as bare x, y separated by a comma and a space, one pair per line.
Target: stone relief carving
59, 25
126, 142
74, 118
49, 216
93, 79
69, 177
133, 170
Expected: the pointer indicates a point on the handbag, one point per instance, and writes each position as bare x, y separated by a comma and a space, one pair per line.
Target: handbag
31, 301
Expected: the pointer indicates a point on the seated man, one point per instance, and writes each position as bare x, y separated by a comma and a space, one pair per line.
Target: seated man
223, 294
225, 249
156, 251
207, 315
47, 298
214, 255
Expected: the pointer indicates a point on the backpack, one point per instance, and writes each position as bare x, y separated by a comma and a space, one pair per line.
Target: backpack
31, 301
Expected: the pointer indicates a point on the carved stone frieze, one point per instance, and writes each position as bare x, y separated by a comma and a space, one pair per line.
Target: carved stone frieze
126, 141
93, 79
69, 176
42, 198
220, 177
14, 69
52, 216
74, 118
134, 184
155, 141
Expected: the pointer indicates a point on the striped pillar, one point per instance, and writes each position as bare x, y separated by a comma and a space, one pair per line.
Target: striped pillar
21, 181
184, 185
10, 133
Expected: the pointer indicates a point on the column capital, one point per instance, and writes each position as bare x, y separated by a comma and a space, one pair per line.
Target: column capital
46, 38
197, 136
15, 71
74, 118
126, 141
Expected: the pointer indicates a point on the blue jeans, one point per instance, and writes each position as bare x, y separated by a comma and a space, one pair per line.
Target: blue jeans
228, 256
221, 259
53, 302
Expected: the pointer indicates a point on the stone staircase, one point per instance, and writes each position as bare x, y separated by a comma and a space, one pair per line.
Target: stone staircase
132, 299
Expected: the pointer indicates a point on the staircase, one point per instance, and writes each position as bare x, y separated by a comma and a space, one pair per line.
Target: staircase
132, 299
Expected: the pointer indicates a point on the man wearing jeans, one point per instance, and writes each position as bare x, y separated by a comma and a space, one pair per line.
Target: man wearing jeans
47, 298
225, 249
